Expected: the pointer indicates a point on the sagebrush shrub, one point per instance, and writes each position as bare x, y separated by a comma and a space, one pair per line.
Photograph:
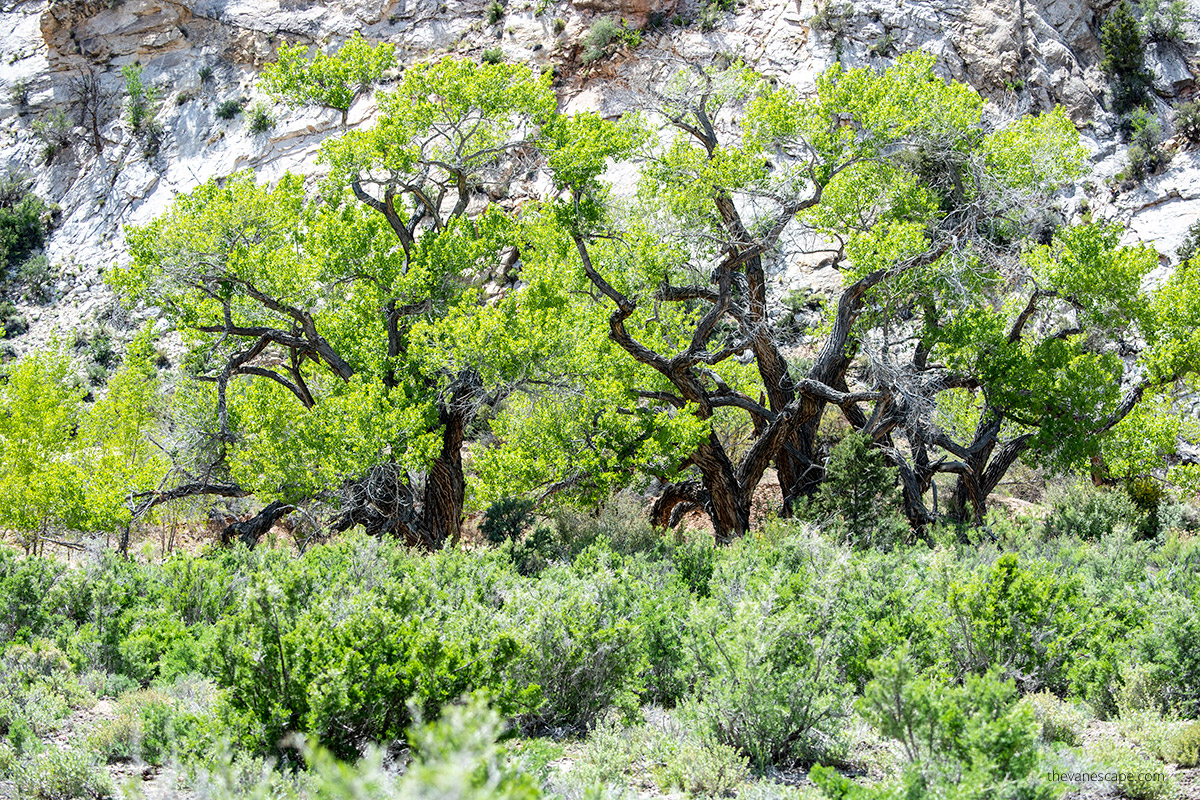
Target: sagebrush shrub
1090, 513
766, 680
58, 774
1137, 776
1059, 721
579, 644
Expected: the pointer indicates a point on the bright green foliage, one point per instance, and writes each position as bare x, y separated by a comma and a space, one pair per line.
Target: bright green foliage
1174, 311
345, 669
397, 346
119, 456
332, 81
372, 633
1023, 620
40, 488
1147, 437
141, 99
259, 118
224, 244
968, 741
1056, 383
453, 112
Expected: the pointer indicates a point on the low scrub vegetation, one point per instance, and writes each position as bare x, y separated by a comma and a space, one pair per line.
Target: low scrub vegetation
984, 664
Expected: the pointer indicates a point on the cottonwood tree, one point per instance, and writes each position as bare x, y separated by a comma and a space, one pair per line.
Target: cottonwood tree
330, 81
306, 317
119, 445
932, 209
41, 486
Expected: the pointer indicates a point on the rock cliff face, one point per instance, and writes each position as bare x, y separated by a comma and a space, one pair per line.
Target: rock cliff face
1023, 54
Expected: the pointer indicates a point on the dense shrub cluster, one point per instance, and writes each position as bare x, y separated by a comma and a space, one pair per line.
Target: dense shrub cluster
766, 651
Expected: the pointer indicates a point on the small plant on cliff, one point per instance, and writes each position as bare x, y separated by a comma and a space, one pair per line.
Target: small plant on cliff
1191, 243
18, 94
711, 12
606, 36
493, 55
140, 99
228, 109
1146, 156
1124, 58
1187, 122
259, 119
54, 131
495, 12
831, 17
1164, 20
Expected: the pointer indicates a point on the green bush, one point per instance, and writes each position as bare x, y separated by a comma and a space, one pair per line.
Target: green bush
1164, 20
506, 519
141, 99
1124, 58
1187, 122
765, 678
23, 222
495, 12
1191, 243
63, 774
1145, 156
831, 17
860, 489
1088, 513
700, 768
350, 669
493, 55
143, 728
1059, 721
972, 740
259, 119
228, 109
711, 12
1023, 619
605, 37
1168, 656
38, 278
1138, 777
1182, 745
157, 645
579, 645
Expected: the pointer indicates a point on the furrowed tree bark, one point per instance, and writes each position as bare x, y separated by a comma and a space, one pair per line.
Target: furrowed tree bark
445, 487
249, 531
